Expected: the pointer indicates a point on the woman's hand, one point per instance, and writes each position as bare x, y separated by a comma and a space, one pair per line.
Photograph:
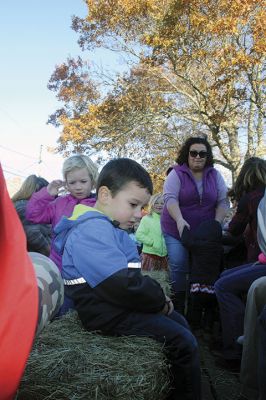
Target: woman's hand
54, 186
181, 223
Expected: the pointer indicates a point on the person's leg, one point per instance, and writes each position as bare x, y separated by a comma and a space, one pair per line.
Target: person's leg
50, 288
67, 306
209, 303
195, 314
229, 289
262, 355
179, 268
229, 271
180, 347
256, 300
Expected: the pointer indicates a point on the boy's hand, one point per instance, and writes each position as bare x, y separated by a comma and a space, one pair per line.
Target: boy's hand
168, 307
54, 186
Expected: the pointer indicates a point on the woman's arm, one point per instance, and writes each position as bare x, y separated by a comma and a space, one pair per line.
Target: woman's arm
171, 194
240, 220
175, 212
220, 213
223, 203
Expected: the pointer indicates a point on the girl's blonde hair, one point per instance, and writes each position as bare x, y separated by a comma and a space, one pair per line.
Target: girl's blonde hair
81, 161
31, 185
153, 200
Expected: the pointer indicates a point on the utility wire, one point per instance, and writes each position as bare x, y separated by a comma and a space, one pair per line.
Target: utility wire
12, 173
17, 152
29, 166
12, 168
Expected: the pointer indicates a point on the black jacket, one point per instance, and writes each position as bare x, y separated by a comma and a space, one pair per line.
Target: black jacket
205, 246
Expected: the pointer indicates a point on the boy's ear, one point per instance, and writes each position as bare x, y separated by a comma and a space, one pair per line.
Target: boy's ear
104, 194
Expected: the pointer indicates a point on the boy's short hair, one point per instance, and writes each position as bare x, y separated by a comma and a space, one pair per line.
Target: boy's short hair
119, 172
81, 161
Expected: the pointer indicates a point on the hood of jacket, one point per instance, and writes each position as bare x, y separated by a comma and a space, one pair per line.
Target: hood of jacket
66, 225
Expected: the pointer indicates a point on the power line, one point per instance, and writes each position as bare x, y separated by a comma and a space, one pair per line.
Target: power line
17, 152
29, 166
12, 173
11, 118
47, 166
9, 167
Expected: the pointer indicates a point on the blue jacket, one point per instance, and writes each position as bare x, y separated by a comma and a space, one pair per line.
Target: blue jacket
95, 249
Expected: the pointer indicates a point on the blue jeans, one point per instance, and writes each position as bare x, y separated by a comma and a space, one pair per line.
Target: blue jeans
262, 354
229, 289
178, 263
68, 305
180, 347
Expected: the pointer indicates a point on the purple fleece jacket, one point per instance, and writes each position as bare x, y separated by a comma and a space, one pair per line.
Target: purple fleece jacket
42, 208
197, 199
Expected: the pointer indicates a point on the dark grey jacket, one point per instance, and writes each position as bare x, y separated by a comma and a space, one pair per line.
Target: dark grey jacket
38, 235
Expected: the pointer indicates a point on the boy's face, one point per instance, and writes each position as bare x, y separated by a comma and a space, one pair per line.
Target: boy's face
126, 206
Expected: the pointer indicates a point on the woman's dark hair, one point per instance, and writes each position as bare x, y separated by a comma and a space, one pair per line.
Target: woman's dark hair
182, 157
169, 170
251, 176
40, 183
119, 172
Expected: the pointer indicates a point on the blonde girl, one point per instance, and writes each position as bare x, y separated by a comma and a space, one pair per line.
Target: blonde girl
46, 206
154, 253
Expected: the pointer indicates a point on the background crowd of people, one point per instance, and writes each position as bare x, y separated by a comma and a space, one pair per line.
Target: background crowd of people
184, 231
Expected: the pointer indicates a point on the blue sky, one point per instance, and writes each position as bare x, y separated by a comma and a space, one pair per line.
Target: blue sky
35, 36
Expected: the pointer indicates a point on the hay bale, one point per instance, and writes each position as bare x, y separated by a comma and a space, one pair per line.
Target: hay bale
69, 363
163, 278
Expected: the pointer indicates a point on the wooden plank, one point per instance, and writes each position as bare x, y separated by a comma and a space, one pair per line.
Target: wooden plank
222, 384
206, 387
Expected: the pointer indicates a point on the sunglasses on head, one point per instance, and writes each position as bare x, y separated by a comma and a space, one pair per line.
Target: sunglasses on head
195, 153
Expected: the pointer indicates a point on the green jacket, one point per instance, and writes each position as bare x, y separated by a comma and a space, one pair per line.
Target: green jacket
150, 234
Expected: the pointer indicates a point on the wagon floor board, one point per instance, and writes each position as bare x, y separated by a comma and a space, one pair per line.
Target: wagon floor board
217, 383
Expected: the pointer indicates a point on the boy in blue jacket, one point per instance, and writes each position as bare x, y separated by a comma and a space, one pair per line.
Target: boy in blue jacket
102, 274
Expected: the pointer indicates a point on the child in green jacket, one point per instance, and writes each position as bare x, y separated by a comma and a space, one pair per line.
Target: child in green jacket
154, 253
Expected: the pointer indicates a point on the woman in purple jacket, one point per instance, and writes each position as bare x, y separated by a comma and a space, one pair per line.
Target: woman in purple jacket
194, 192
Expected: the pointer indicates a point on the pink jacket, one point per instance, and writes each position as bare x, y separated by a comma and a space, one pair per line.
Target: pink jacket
42, 208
